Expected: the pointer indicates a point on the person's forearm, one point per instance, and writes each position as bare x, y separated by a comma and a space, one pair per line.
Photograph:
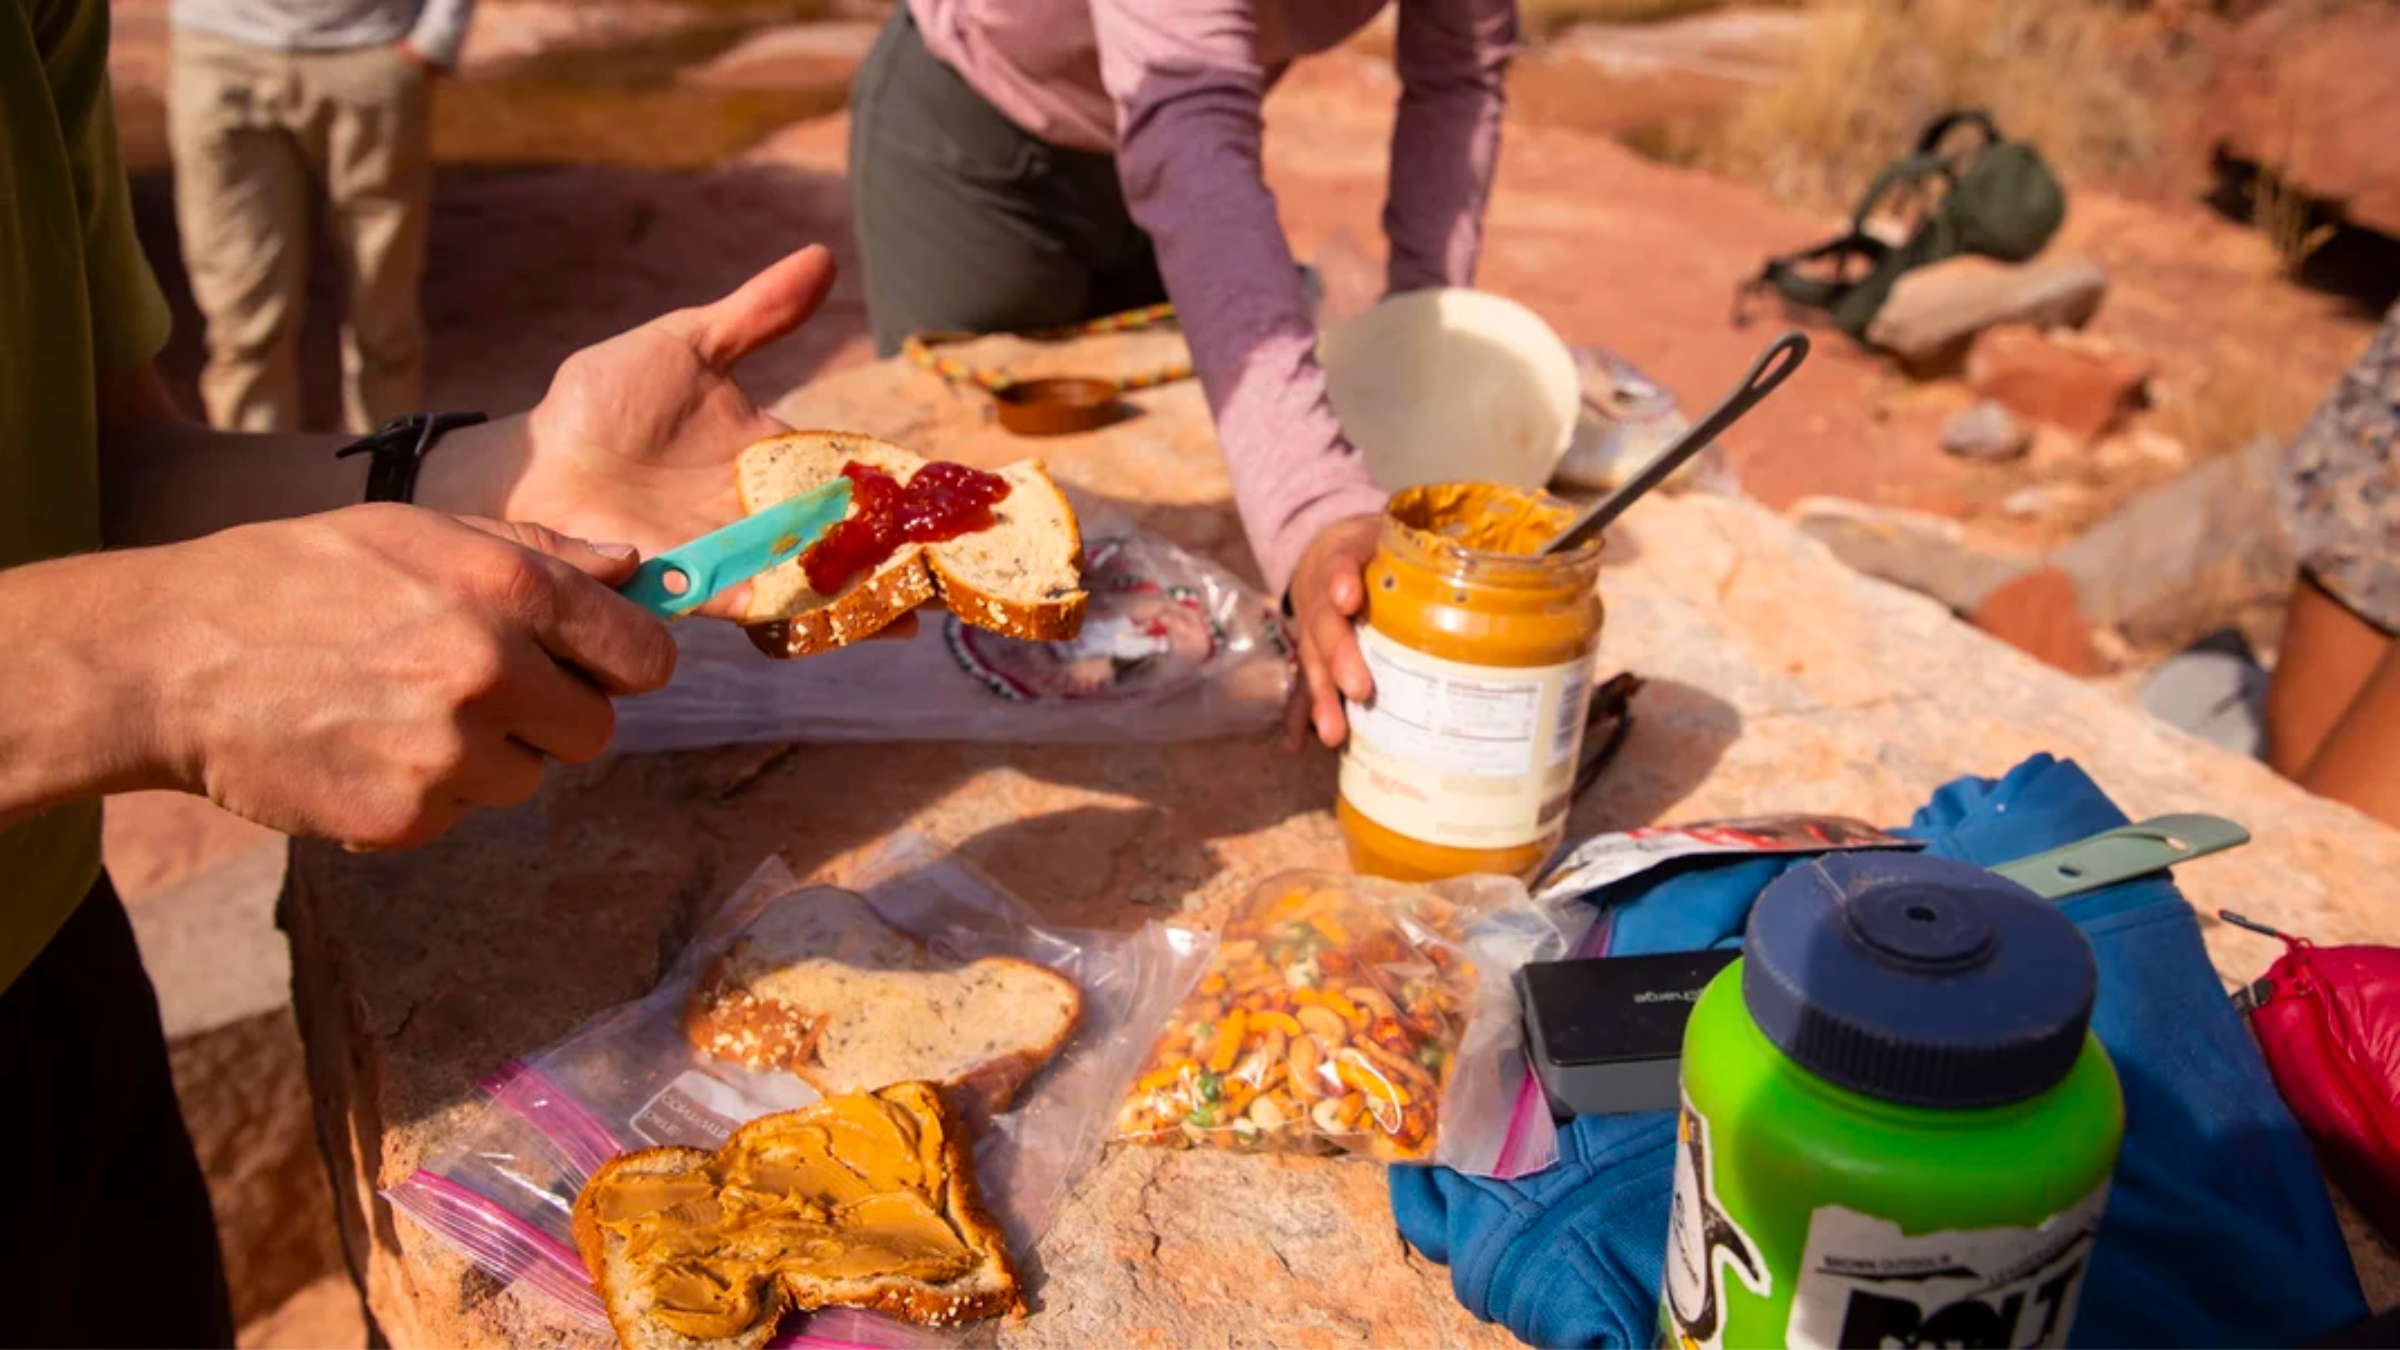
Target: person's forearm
167, 479
1192, 181
80, 719
441, 30
1238, 295
1452, 56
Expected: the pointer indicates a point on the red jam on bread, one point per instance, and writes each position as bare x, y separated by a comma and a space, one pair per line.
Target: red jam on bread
942, 501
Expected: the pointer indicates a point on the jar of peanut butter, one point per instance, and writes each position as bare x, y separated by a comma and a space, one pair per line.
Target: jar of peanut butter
1482, 652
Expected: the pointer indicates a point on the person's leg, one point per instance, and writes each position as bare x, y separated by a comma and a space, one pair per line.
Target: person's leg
241, 207
946, 200
1131, 280
2329, 652
2359, 762
115, 1241
378, 170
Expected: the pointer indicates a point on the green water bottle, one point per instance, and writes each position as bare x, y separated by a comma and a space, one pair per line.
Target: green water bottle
1897, 1128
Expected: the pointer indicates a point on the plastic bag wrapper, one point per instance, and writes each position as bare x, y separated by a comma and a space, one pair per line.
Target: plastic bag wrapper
1173, 648
502, 1190
1347, 1015
1627, 419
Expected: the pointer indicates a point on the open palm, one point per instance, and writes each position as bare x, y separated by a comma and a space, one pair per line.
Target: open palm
636, 440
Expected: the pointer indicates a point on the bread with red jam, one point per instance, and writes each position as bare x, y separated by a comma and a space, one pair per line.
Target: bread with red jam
1021, 576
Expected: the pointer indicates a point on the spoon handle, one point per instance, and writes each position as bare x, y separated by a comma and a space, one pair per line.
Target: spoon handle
1772, 368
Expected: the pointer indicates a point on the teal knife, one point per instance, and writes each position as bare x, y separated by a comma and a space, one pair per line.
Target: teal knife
683, 578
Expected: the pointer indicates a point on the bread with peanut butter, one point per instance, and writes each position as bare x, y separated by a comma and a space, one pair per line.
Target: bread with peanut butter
820, 986
866, 1200
1021, 577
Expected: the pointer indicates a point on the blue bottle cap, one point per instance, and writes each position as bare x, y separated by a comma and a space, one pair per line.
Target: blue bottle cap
1918, 980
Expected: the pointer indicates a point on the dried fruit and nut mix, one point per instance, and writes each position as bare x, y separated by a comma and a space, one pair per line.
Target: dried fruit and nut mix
1330, 1020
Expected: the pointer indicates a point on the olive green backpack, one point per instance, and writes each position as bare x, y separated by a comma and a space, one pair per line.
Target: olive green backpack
1995, 198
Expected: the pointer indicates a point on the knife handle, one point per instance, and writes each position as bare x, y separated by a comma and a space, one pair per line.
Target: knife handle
670, 585
691, 574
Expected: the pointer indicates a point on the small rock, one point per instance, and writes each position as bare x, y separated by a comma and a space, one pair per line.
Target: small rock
1987, 432
1926, 553
2084, 386
1935, 312
2142, 451
2025, 503
2038, 613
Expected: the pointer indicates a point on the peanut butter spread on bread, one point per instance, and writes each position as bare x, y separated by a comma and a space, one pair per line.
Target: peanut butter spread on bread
849, 1189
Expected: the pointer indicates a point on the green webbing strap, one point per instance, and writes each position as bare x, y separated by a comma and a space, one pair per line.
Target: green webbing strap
1941, 127
1904, 172
2123, 854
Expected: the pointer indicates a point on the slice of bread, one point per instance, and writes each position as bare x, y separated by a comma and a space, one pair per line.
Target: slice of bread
1021, 578
822, 987
941, 1189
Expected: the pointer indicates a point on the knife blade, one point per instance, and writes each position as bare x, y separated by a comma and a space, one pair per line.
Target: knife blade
688, 576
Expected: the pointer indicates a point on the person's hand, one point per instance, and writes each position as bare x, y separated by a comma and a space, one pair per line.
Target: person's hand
637, 438
1329, 587
426, 65
369, 674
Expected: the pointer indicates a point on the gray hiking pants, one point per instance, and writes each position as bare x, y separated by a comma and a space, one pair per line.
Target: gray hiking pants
967, 223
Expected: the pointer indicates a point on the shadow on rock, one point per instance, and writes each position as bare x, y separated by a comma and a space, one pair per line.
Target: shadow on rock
1679, 733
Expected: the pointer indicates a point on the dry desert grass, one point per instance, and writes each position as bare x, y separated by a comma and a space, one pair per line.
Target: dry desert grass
2092, 84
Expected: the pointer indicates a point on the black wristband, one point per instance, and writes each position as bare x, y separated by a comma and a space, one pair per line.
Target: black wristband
398, 447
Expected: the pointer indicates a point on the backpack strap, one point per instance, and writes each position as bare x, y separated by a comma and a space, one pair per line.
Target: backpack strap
1783, 274
1900, 173
1939, 129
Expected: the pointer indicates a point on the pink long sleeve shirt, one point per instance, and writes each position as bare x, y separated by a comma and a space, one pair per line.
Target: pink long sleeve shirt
1174, 89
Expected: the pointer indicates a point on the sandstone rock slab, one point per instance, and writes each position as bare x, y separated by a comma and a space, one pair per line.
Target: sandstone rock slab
799, 54
2303, 92
2208, 534
1935, 312
245, 1100
1779, 679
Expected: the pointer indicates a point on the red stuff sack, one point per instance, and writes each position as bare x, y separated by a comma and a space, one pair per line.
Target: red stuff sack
2327, 1020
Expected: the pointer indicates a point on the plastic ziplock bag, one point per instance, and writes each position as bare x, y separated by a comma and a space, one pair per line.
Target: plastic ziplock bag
1173, 648
1347, 1015
502, 1191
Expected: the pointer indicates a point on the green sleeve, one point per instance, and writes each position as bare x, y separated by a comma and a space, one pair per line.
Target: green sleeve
130, 320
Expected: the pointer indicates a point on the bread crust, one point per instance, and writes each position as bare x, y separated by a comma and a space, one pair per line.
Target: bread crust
869, 609
914, 577
922, 1305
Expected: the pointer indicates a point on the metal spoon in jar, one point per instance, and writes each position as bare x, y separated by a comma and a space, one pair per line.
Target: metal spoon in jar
1773, 367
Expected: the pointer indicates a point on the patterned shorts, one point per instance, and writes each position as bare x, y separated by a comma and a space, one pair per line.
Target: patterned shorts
2341, 486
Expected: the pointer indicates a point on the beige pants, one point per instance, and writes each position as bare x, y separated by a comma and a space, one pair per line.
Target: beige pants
260, 139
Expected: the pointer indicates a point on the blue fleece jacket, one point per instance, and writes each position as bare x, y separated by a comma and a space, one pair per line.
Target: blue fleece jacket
2218, 1229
